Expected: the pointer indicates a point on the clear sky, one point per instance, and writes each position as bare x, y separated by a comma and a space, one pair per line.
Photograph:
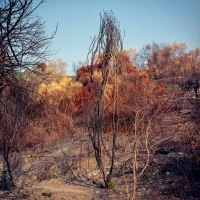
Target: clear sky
143, 21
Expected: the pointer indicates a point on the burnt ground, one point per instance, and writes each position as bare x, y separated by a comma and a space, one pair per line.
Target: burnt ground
172, 174
67, 169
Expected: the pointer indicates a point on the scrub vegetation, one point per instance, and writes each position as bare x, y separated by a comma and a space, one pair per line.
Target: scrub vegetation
125, 126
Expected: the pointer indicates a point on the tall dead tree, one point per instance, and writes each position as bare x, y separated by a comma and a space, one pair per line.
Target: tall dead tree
23, 44
105, 49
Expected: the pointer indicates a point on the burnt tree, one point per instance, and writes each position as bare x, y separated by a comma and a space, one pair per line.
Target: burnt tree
105, 49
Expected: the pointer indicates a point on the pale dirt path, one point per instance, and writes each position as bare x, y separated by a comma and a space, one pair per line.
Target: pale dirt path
61, 191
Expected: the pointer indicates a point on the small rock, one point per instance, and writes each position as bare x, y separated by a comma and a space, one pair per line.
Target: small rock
167, 173
46, 194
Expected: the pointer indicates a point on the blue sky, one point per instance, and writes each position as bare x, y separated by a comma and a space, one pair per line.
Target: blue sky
143, 21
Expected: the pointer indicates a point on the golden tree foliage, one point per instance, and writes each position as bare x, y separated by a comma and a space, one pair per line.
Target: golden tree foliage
54, 110
66, 87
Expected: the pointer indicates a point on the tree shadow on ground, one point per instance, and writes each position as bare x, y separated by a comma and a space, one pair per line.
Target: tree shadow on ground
184, 175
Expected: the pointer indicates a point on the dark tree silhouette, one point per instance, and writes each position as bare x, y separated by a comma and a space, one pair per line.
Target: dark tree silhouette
23, 42
108, 46
23, 46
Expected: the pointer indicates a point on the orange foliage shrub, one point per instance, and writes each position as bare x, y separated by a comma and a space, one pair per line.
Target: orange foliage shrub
135, 91
47, 126
52, 115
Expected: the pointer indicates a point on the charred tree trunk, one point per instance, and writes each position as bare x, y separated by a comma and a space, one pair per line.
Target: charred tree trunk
107, 46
